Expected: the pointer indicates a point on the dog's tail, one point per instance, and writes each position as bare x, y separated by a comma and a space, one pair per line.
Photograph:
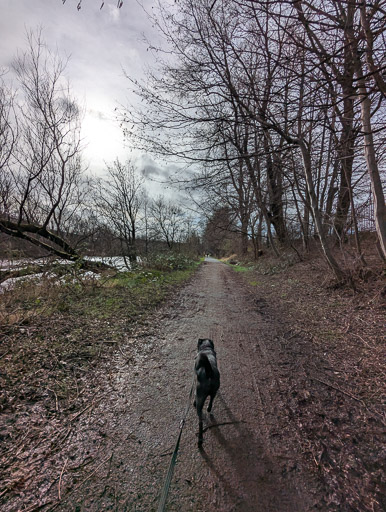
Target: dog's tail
203, 362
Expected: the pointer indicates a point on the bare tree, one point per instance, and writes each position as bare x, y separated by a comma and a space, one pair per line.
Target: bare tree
357, 22
119, 198
220, 71
168, 222
8, 137
219, 235
274, 85
44, 166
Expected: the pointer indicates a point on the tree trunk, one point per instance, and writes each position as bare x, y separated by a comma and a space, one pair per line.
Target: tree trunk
332, 190
275, 190
370, 156
339, 274
372, 167
345, 147
257, 192
244, 234
60, 248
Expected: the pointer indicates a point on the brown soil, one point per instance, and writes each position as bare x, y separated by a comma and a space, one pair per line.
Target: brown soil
296, 426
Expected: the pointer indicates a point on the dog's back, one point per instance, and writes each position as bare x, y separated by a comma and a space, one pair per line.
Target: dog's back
208, 378
205, 366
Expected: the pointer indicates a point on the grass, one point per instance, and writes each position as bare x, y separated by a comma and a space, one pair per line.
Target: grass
249, 271
78, 295
131, 293
240, 268
54, 330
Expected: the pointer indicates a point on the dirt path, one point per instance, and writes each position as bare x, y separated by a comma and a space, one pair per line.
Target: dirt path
250, 463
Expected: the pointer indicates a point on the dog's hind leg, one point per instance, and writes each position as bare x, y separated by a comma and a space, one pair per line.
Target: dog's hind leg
199, 406
211, 402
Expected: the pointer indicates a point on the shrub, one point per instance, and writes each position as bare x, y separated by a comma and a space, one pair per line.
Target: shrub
169, 262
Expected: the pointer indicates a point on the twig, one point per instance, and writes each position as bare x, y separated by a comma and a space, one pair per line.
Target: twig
365, 342
340, 390
375, 413
82, 465
90, 475
56, 399
76, 385
121, 351
347, 327
5, 353
35, 508
164, 454
4, 491
220, 424
71, 491
60, 479
84, 410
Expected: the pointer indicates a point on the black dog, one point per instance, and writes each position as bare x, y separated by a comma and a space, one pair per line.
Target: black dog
208, 379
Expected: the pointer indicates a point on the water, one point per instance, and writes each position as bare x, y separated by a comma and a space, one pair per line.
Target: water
116, 262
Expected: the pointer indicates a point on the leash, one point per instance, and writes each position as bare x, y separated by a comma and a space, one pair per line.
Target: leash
169, 475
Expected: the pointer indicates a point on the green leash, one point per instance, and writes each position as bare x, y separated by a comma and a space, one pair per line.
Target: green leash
169, 475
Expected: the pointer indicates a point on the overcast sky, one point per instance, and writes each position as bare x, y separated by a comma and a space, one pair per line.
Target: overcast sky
100, 43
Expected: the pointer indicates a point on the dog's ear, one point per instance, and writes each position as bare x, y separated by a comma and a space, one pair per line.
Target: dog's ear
206, 340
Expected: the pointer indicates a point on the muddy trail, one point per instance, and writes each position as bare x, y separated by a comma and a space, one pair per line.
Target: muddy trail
250, 460
292, 429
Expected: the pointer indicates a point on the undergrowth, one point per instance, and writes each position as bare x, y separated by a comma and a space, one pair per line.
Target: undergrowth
94, 296
53, 330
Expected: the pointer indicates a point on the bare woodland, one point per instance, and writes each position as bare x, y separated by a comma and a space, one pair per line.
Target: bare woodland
274, 113
48, 198
279, 108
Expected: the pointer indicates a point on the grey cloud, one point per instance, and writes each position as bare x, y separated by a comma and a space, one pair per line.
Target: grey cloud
98, 114
100, 43
153, 171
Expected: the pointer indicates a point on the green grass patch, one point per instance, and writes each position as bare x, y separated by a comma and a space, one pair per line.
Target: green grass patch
241, 268
253, 282
249, 271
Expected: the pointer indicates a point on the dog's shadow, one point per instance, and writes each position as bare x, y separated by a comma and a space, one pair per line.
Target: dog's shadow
238, 460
